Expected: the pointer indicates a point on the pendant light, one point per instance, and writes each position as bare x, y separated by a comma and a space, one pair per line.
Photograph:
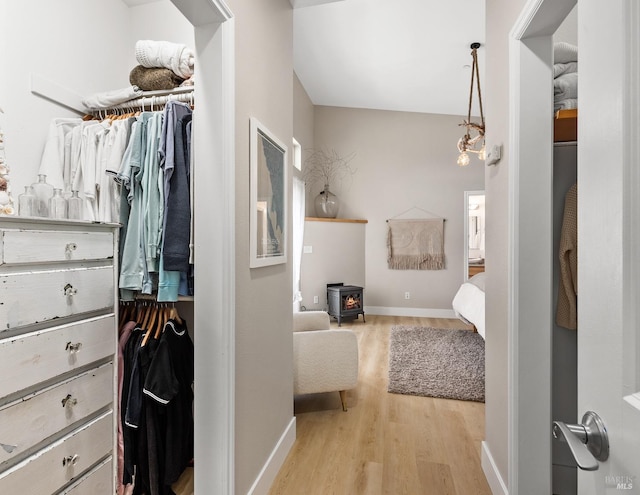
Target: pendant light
468, 144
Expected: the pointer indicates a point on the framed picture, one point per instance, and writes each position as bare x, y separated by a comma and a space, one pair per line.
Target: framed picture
268, 193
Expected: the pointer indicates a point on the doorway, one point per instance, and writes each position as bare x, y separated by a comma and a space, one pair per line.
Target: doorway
531, 243
474, 223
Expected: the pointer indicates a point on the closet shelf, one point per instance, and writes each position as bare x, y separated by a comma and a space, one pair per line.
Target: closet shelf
153, 297
565, 125
151, 100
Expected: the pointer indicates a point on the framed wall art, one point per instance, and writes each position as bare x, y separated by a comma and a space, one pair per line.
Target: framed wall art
268, 196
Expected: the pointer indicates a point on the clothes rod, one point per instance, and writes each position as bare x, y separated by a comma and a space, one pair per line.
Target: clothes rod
148, 101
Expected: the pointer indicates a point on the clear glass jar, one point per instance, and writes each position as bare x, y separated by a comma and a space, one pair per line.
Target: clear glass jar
74, 206
57, 205
43, 192
27, 202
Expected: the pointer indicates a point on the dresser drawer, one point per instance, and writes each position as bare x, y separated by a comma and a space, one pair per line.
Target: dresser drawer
37, 296
36, 417
31, 358
41, 246
98, 481
56, 465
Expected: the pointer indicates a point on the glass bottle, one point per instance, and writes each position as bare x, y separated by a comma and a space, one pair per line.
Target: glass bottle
74, 204
57, 205
43, 192
26, 202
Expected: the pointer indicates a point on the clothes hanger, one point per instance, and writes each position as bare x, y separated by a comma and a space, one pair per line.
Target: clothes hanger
147, 316
173, 314
144, 325
160, 322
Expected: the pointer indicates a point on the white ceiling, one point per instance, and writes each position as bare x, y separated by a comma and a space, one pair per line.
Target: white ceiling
404, 55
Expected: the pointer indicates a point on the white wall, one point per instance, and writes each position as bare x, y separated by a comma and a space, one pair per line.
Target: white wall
303, 110
338, 255
403, 161
63, 42
501, 15
264, 349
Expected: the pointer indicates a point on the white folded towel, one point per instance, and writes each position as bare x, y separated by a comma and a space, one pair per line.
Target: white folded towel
564, 52
559, 69
565, 86
174, 56
110, 98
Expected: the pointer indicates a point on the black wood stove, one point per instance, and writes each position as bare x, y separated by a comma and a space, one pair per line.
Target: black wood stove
345, 301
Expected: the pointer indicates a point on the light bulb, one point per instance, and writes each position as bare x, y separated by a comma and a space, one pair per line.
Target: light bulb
463, 159
482, 155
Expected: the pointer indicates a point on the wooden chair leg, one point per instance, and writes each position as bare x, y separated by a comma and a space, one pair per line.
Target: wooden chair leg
343, 399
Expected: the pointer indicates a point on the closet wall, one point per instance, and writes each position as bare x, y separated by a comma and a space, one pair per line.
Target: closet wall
63, 42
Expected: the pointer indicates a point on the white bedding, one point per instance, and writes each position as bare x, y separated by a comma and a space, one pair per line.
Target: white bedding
468, 303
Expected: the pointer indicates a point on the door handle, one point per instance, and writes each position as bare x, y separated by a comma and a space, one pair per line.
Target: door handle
588, 441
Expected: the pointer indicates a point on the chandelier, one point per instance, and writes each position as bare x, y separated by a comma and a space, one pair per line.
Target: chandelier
473, 139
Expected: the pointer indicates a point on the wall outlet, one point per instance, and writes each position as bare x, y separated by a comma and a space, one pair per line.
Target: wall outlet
315, 299
407, 295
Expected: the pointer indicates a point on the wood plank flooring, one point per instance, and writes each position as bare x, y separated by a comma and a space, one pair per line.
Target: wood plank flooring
385, 443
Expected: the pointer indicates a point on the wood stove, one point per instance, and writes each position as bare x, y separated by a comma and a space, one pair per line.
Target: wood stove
345, 301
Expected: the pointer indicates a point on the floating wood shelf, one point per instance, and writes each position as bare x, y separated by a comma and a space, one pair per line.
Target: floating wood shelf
343, 220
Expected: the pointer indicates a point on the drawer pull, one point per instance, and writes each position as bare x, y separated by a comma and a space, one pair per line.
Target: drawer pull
69, 400
73, 347
70, 460
72, 246
69, 290
8, 448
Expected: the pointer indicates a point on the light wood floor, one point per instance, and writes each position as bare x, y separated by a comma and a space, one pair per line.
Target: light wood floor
385, 443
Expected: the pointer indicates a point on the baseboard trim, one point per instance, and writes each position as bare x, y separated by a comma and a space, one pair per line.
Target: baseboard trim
419, 312
263, 482
495, 481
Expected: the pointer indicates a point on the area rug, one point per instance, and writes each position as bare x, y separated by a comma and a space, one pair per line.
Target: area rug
435, 362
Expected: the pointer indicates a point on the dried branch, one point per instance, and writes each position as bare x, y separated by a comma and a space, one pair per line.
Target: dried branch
326, 166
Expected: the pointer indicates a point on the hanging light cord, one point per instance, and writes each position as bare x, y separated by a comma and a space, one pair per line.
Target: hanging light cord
475, 72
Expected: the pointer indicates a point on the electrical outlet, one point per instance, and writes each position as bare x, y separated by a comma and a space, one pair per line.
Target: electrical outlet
315, 299
407, 295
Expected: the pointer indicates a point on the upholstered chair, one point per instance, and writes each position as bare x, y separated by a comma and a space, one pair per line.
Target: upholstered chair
324, 359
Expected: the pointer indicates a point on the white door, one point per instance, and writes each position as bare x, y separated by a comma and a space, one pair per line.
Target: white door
608, 239
608, 234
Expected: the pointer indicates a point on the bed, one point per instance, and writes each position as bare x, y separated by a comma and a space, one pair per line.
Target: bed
468, 303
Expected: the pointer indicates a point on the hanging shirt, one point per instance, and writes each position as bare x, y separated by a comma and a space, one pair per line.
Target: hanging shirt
153, 192
168, 385
174, 150
567, 309
110, 189
52, 163
133, 274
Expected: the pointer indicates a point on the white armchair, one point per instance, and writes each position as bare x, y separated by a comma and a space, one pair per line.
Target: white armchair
324, 360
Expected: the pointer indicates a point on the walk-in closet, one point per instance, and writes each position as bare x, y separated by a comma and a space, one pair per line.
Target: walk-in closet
66, 298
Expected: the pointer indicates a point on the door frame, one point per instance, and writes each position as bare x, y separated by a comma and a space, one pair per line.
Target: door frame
214, 245
467, 195
530, 244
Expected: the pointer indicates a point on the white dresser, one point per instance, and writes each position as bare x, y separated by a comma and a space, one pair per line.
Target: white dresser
58, 334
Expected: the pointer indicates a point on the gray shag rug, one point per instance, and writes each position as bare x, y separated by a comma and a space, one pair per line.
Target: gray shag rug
435, 362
